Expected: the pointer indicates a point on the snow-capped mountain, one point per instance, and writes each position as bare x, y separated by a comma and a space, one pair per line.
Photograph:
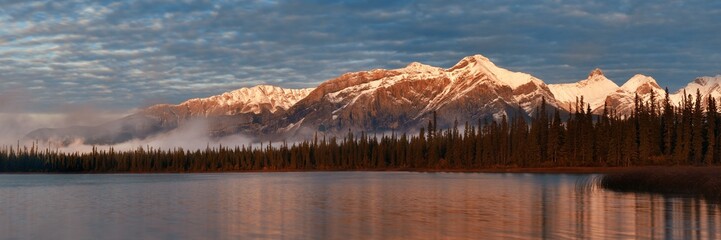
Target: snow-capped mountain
402, 99
622, 101
244, 110
707, 86
594, 90
381, 100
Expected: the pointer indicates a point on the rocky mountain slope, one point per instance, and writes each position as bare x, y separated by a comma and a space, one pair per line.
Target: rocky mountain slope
403, 99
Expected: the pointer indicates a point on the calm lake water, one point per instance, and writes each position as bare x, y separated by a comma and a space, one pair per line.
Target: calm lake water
340, 205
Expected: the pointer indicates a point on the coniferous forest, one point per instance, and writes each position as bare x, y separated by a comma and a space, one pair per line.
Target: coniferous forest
657, 133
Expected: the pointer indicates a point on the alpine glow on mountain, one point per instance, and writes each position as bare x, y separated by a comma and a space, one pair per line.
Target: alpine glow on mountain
245, 100
593, 90
622, 101
706, 86
384, 100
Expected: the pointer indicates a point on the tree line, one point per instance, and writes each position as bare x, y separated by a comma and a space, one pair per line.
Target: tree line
656, 133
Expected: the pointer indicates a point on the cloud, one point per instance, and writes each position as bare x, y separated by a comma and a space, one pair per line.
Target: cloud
123, 54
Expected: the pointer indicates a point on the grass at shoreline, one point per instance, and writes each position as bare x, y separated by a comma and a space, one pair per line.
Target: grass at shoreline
695, 181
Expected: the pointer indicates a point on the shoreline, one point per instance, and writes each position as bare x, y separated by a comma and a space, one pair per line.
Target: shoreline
538, 170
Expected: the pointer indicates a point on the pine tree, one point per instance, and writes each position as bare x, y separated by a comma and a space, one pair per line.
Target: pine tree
697, 131
555, 138
667, 124
711, 131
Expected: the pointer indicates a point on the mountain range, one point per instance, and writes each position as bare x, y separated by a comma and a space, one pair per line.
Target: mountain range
380, 101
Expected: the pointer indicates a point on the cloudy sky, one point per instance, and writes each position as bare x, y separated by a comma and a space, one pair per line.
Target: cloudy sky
128, 54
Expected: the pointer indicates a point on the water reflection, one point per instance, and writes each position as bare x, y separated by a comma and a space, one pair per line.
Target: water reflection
356, 205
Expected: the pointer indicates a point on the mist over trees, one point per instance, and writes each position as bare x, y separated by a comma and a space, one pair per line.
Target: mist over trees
657, 133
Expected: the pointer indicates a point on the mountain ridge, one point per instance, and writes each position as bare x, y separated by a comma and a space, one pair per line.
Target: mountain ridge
381, 100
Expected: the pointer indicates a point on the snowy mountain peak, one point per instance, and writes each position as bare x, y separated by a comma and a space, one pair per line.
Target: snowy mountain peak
416, 67
479, 64
594, 90
253, 99
476, 58
596, 77
596, 72
638, 81
471, 62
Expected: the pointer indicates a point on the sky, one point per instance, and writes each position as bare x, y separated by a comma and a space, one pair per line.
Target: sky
123, 55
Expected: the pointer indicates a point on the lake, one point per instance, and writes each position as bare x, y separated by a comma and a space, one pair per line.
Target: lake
340, 205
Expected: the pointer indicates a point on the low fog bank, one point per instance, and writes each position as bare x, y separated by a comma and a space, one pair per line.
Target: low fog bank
192, 135
195, 135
